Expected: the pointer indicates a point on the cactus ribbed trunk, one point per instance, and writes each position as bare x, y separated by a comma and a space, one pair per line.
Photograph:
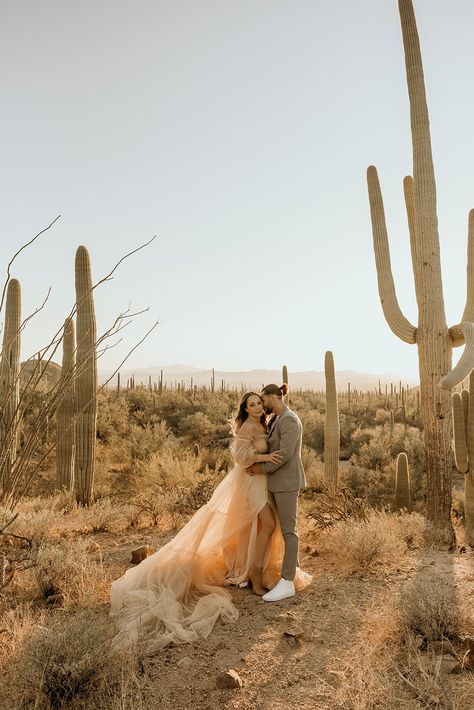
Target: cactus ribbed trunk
65, 450
433, 339
86, 381
331, 427
432, 336
402, 483
10, 385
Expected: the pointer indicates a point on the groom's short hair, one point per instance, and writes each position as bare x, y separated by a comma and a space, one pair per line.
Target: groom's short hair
275, 389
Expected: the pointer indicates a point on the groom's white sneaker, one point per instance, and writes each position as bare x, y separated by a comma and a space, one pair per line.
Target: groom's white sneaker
283, 590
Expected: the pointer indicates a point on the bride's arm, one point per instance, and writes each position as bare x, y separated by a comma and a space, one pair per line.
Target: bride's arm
246, 455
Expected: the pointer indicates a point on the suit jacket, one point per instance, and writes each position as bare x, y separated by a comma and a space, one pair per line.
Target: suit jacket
286, 435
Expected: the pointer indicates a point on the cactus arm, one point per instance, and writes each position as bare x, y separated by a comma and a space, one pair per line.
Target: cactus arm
465, 363
456, 332
402, 483
409, 194
388, 297
459, 429
465, 407
468, 315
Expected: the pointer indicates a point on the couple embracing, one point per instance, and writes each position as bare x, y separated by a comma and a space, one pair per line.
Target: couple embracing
246, 535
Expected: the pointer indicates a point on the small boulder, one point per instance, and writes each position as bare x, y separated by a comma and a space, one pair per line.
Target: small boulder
229, 679
141, 554
294, 635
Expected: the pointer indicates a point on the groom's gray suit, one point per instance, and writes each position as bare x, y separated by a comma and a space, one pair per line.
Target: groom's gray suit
285, 480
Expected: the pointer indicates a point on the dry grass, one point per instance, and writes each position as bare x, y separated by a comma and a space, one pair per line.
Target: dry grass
380, 541
429, 608
69, 571
71, 665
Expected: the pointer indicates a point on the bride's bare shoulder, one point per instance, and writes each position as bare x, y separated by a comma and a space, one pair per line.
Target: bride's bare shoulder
248, 430
245, 431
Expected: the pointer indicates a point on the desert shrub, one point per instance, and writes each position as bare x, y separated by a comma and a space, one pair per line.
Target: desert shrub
72, 665
67, 570
36, 525
216, 459
382, 416
197, 427
429, 608
313, 467
360, 545
102, 516
313, 430
112, 417
148, 439
172, 407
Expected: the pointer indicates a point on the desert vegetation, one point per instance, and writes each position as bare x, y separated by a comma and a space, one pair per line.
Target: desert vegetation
159, 456
93, 478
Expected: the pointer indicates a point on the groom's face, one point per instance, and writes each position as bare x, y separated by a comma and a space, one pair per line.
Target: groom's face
268, 402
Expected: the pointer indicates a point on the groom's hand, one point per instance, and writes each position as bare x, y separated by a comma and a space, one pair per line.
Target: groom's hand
254, 470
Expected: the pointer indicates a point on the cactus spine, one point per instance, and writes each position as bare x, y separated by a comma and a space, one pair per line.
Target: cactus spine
402, 483
331, 427
65, 449
10, 383
432, 336
86, 381
463, 425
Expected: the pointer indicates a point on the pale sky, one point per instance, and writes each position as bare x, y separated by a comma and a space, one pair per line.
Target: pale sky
239, 132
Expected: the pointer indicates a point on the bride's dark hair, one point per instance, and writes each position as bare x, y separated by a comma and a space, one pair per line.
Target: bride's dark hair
242, 413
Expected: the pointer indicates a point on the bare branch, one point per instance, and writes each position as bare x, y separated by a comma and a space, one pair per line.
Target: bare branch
19, 252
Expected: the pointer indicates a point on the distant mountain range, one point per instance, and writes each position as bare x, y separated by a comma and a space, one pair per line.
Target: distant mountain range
253, 379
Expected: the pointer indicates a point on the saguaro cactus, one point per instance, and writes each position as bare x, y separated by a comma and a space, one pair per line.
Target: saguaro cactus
331, 427
10, 383
86, 381
284, 374
463, 425
402, 483
65, 448
431, 335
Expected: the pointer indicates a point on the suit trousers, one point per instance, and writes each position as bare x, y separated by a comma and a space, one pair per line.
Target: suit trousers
287, 507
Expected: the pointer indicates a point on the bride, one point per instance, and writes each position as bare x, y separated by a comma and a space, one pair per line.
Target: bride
177, 594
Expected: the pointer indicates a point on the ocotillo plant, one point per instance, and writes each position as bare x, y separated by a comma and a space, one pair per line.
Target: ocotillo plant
402, 483
86, 381
65, 448
463, 425
284, 373
331, 427
431, 334
10, 382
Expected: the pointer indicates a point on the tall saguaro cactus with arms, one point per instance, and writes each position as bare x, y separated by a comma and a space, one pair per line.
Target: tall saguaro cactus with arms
432, 336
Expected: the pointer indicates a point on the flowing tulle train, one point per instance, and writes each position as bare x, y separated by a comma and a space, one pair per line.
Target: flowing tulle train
177, 594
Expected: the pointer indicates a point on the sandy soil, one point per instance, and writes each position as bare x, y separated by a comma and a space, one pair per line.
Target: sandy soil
283, 671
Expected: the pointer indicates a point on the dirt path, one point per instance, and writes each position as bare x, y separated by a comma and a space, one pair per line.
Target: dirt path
280, 671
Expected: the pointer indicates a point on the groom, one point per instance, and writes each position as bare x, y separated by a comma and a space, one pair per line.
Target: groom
284, 481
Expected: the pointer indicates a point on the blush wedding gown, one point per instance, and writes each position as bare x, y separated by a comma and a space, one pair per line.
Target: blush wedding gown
177, 594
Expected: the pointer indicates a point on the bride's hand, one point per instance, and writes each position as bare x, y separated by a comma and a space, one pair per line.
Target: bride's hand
275, 457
